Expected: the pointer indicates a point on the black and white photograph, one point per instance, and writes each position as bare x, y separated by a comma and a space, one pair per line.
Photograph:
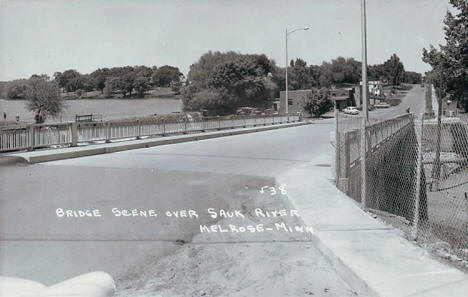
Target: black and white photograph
210, 148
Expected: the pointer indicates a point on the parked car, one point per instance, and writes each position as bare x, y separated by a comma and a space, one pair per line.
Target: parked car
248, 111
382, 105
351, 110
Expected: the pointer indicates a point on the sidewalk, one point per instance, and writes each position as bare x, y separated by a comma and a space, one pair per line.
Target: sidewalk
371, 256
46, 155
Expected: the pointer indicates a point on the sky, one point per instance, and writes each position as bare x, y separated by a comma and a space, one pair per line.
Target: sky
45, 36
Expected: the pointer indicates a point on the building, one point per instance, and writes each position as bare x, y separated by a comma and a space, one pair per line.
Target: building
296, 100
375, 87
342, 96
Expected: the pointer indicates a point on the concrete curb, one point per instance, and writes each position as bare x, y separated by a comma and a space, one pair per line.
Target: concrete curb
372, 257
12, 160
97, 149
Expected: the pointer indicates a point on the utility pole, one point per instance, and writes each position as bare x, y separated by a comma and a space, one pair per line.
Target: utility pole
365, 117
287, 63
287, 99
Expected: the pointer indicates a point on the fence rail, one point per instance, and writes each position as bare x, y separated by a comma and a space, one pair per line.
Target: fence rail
349, 148
416, 177
21, 137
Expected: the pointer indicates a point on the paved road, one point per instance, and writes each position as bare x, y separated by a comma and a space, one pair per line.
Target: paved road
219, 173
414, 99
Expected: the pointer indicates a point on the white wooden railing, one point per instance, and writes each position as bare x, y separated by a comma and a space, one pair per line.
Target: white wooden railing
30, 137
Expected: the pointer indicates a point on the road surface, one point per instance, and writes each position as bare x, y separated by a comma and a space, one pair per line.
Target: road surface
166, 254
163, 254
414, 99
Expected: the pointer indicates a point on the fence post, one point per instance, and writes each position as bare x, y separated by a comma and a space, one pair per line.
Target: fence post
344, 162
245, 124
108, 132
337, 158
139, 129
363, 163
74, 132
219, 123
419, 137
31, 137
185, 125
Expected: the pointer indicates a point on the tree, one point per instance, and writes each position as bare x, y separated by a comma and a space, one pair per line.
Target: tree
326, 77
175, 87
70, 80
16, 89
60, 79
377, 72
141, 85
299, 76
450, 62
318, 102
125, 83
200, 71
394, 70
207, 99
98, 79
142, 80
107, 91
229, 80
164, 75
143, 71
88, 83
411, 77
43, 99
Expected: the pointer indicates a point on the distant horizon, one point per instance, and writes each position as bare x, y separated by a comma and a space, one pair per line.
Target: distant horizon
185, 74
45, 36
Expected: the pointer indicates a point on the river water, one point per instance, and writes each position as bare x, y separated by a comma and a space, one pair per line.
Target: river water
108, 108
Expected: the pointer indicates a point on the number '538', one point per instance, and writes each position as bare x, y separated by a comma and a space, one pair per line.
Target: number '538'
273, 190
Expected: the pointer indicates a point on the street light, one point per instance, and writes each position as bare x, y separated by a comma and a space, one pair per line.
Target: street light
365, 110
287, 62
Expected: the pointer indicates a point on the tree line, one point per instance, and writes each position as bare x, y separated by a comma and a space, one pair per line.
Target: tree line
218, 82
221, 82
128, 81
342, 70
449, 61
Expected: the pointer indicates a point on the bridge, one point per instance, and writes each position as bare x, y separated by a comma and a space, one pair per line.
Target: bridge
349, 252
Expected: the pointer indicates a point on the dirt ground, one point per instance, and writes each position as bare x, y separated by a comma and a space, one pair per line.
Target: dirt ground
240, 264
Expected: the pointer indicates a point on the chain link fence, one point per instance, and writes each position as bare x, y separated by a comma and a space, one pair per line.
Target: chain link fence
416, 177
444, 158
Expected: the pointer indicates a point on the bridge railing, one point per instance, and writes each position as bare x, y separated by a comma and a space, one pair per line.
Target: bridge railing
349, 150
416, 172
21, 137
